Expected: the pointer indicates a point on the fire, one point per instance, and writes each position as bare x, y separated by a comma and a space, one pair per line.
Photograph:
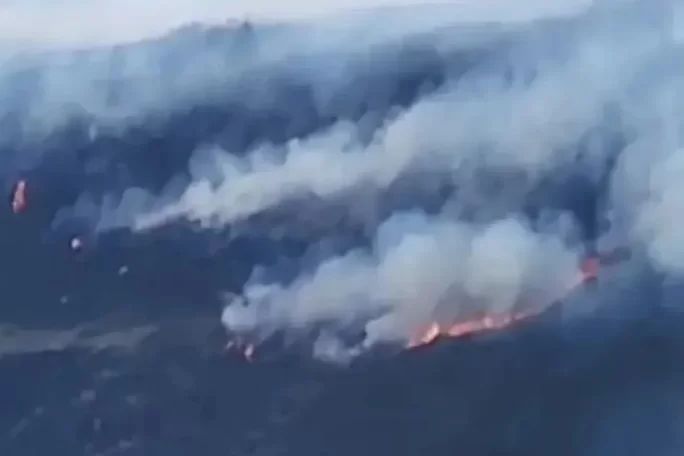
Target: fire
589, 271
464, 328
428, 336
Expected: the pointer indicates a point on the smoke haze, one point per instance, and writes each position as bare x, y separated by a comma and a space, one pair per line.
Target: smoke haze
471, 165
66, 23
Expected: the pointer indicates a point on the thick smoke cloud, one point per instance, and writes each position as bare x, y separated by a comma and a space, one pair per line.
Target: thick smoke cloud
514, 126
419, 270
123, 84
482, 120
532, 129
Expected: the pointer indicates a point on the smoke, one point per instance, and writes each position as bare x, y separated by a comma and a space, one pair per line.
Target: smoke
419, 269
491, 119
535, 128
128, 81
531, 142
532, 129
645, 191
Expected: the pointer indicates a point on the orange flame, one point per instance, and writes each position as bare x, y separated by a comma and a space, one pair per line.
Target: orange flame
464, 328
589, 271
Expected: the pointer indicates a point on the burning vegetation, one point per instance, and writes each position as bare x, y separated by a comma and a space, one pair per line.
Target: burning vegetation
589, 271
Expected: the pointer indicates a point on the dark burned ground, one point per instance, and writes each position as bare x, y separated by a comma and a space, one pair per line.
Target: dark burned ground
542, 388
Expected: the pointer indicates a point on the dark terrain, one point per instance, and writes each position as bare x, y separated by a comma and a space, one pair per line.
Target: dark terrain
96, 361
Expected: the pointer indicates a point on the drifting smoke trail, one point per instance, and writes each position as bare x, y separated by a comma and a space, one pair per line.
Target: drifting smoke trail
480, 121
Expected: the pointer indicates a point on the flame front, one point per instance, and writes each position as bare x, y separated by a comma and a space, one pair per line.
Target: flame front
588, 271
464, 328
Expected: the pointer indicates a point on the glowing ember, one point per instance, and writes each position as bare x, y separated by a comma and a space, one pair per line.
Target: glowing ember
589, 271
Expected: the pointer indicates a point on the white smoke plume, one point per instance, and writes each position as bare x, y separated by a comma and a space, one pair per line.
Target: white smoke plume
420, 269
533, 128
645, 196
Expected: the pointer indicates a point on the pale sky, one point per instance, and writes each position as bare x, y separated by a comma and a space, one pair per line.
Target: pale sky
78, 22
